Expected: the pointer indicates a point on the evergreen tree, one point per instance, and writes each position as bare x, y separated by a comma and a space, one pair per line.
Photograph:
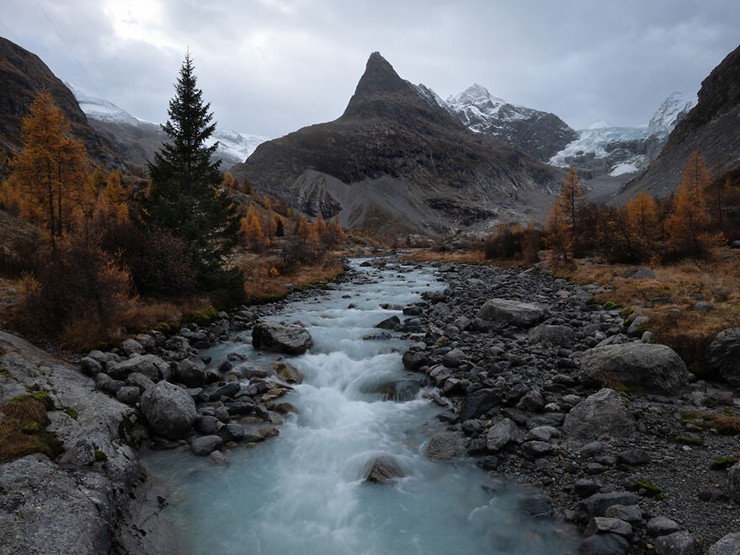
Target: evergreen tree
185, 197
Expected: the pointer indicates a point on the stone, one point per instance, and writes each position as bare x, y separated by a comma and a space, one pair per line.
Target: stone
389, 323
191, 372
383, 469
559, 336
597, 504
168, 409
643, 273
641, 367
497, 312
662, 526
603, 524
228, 390
219, 459
205, 445
287, 372
531, 401
207, 424
638, 325
604, 544
128, 394
602, 413
139, 380
733, 482
536, 449
444, 446
633, 457
105, 383
414, 359
585, 487
453, 358
630, 513
90, 367
291, 339
727, 545
132, 347
152, 366
500, 434
478, 403
723, 355
678, 543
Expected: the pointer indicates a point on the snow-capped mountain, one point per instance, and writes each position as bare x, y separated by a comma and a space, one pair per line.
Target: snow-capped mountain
605, 149
233, 148
541, 134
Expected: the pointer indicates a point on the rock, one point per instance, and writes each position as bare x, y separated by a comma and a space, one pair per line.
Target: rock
733, 482
637, 327
383, 469
559, 336
496, 312
536, 449
662, 526
603, 524
228, 390
702, 306
604, 544
643, 273
633, 457
218, 458
132, 347
414, 359
597, 504
727, 545
678, 543
287, 372
169, 410
453, 358
291, 340
642, 367
207, 424
630, 513
531, 401
723, 355
389, 323
139, 380
585, 487
191, 372
602, 413
90, 367
479, 403
105, 383
444, 446
79, 453
500, 434
128, 394
151, 366
205, 445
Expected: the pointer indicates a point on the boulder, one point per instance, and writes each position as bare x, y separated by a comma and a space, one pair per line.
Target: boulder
642, 367
132, 347
727, 545
151, 366
733, 482
662, 526
205, 445
678, 543
454, 358
603, 413
643, 273
723, 355
289, 339
603, 524
497, 312
604, 544
479, 403
414, 359
389, 323
191, 372
169, 410
383, 469
444, 446
288, 373
128, 394
90, 366
559, 336
500, 434
597, 504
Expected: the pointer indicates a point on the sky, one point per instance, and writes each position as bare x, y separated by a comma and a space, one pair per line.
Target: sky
269, 67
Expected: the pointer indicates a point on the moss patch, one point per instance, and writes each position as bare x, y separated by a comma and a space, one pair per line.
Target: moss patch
724, 463
650, 489
23, 429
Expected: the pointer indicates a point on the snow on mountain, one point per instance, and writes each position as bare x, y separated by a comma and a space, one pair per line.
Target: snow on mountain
479, 109
673, 108
234, 147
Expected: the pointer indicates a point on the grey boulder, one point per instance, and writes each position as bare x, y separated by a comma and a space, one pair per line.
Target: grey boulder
497, 312
169, 410
603, 413
288, 339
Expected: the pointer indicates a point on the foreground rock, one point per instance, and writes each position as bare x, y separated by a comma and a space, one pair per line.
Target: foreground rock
290, 340
168, 410
724, 355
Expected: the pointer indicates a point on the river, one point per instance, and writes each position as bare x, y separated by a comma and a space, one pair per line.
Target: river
303, 492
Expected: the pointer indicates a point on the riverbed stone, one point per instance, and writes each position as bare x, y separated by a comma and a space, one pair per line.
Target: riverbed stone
501, 434
384, 469
169, 410
597, 504
389, 323
479, 402
723, 355
641, 367
152, 366
603, 524
444, 446
603, 413
288, 339
604, 544
205, 445
662, 526
678, 543
497, 312
287, 372
558, 335
191, 372
727, 545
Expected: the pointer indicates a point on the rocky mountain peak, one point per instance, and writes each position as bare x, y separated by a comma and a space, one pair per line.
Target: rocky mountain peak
476, 95
676, 106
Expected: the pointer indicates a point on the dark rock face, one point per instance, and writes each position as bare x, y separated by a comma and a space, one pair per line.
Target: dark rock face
396, 159
710, 127
23, 76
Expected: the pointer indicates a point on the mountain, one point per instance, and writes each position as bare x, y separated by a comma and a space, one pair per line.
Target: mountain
396, 161
138, 140
616, 151
711, 128
23, 75
540, 134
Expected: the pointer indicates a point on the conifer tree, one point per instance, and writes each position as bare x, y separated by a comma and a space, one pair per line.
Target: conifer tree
687, 224
185, 197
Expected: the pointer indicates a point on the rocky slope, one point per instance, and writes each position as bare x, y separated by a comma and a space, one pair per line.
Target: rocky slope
538, 133
396, 161
711, 127
23, 75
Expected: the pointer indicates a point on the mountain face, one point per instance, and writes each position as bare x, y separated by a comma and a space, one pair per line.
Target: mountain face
615, 151
540, 134
138, 140
23, 75
711, 128
397, 161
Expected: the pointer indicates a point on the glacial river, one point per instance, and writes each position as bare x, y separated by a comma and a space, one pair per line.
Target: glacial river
303, 492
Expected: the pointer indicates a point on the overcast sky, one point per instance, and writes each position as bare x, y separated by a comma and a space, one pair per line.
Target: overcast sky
269, 67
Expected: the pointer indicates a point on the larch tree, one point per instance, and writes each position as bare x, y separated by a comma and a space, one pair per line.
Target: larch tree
50, 172
642, 219
571, 196
185, 197
688, 222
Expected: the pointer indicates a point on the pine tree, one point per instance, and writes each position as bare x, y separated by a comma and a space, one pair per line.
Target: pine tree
185, 197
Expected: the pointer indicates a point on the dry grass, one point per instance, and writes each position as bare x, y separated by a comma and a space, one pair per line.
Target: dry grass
22, 429
472, 256
727, 425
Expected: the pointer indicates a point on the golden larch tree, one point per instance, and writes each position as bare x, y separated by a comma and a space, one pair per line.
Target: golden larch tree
688, 222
